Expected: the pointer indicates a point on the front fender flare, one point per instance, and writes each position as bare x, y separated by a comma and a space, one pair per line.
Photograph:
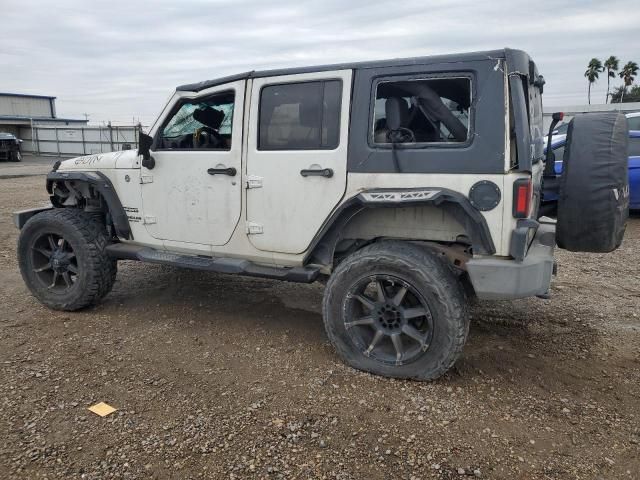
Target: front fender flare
103, 185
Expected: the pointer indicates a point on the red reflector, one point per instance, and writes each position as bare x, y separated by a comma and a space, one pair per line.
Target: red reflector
522, 198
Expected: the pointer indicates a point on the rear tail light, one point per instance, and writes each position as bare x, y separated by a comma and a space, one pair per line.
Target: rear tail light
522, 198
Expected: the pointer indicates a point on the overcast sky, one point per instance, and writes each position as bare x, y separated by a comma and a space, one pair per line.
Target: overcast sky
117, 60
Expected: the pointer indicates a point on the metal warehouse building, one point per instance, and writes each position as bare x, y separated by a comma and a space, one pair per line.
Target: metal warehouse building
18, 111
33, 119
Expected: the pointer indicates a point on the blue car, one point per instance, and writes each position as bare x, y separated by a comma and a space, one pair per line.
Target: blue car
634, 169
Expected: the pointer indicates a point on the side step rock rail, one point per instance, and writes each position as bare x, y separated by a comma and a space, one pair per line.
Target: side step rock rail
236, 266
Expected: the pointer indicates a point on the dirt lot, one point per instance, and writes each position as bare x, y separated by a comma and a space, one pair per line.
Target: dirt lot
227, 377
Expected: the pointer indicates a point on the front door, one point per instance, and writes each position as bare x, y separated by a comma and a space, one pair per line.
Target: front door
297, 157
193, 194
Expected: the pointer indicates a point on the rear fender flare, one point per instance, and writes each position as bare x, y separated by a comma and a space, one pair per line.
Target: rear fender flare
323, 245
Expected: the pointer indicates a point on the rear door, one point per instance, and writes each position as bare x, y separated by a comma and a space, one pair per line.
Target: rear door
296, 157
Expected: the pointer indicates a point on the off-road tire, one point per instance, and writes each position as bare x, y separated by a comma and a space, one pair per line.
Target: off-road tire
88, 239
430, 275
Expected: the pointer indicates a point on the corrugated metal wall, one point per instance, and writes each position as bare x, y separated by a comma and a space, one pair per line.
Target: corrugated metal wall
75, 141
25, 106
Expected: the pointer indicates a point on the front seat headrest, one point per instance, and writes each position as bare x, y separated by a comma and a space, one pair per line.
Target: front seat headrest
209, 117
397, 112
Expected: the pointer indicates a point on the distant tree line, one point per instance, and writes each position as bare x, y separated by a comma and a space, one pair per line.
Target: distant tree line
627, 92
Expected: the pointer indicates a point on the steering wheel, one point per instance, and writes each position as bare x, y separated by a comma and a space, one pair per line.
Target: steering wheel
207, 137
401, 135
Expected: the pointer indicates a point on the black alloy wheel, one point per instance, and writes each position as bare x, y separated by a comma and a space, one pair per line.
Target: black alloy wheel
388, 320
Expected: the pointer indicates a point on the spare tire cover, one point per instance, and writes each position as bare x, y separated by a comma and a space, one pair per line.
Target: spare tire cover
593, 202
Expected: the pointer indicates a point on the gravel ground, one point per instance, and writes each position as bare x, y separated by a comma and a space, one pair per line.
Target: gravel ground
30, 165
227, 377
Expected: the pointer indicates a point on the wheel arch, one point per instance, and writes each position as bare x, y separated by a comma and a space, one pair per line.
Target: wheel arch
323, 246
101, 185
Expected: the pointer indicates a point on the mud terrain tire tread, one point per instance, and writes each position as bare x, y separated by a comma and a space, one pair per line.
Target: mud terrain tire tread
87, 234
432, 276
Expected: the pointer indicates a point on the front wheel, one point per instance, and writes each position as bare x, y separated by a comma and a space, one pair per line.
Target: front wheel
63, 258
396, 309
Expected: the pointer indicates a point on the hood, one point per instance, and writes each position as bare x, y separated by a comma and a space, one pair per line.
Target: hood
102, 161
7, 136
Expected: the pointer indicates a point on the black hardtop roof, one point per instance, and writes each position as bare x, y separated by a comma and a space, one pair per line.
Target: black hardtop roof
517, 60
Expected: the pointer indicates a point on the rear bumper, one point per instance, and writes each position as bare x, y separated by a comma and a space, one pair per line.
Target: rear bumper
500, 279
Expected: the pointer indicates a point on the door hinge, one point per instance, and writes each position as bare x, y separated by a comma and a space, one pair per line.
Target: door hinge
254, 181
150, 219
146, 178
254, 228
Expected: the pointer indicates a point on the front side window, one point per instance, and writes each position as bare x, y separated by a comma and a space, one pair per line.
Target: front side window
434, 110
300, 116
200, 124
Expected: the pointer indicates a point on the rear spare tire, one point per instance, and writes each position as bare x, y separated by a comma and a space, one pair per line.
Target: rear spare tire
593, 205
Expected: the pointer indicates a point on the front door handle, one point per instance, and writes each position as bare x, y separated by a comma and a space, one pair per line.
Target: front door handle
320, 172
231, 171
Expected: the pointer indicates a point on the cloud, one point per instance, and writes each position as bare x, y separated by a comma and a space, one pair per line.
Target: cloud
119, 60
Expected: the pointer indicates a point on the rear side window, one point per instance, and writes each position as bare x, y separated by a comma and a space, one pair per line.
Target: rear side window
300, 116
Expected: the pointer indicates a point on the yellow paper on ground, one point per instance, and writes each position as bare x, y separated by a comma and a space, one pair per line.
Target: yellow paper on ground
102, 409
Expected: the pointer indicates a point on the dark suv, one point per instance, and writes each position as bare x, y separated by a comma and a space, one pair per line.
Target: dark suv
10, 147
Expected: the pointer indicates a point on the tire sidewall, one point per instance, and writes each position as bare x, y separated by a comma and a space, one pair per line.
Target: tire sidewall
440, 303
34, 229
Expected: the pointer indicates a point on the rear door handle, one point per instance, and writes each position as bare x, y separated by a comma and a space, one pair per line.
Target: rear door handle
320, 172
231, 171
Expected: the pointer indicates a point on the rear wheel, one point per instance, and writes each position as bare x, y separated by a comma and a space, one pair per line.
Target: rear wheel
63, 259
398, 310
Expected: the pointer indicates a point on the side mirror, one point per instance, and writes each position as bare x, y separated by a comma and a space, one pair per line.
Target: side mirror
144, 148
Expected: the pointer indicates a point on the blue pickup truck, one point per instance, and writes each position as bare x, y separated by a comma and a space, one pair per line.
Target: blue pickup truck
634, 168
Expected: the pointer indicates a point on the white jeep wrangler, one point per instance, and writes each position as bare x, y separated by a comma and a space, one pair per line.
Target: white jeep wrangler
409, 185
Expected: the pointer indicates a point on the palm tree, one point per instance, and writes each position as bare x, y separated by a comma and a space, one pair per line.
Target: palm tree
628, 75
611, 64
593, 71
